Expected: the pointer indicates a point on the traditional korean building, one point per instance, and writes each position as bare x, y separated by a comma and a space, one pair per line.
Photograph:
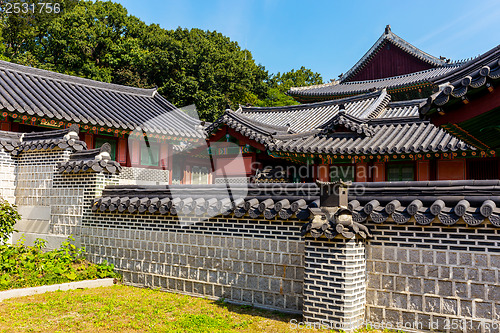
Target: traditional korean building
467, 101
391, 63
144, 130
366, 126
361, 138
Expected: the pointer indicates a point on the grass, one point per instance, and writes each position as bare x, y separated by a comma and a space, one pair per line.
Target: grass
128, 309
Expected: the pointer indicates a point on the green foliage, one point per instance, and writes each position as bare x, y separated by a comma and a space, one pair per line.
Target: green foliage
28, 266
100, 41
8, 217
279, 84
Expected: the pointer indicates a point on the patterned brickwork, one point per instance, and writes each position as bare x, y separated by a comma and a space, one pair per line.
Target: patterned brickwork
232, 180
334, 284
257, 262
434, 277
131, 175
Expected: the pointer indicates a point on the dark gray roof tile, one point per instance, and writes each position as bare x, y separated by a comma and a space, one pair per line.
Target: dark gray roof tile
427, 202
360, 87
473, 74
32, 91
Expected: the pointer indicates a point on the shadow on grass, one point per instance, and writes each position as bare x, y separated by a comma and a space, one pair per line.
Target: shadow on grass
257, 312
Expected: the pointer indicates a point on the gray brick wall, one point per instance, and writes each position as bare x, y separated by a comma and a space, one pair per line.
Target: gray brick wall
72, 199
334, 284
258, 262
407, 277
434, 277
7, 176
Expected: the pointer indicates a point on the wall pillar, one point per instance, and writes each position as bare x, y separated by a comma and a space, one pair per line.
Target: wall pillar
335, 282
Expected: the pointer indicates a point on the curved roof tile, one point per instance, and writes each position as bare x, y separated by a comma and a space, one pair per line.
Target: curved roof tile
48, 94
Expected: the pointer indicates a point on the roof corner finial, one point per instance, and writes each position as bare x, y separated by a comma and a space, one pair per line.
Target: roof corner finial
387, 29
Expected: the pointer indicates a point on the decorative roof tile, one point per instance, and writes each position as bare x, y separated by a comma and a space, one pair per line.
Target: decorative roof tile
67, 138
474, 74
32, 91
444, 202
93, 160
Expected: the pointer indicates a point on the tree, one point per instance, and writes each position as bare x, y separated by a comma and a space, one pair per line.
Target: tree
100, 41
279, 84
24, 32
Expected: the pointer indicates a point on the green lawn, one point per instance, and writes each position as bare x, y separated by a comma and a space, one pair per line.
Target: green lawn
126, 309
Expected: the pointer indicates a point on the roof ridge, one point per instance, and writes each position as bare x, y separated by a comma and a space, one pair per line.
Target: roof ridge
245, 109
10, 66
376, 108
331, 83
396, 120
481, 59
410, 102
389, 36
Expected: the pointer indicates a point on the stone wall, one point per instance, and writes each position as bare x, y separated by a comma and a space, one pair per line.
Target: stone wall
7, 176
434, 277
408, 276
35, 194
335, 282
52, 204
72, 200
258, 262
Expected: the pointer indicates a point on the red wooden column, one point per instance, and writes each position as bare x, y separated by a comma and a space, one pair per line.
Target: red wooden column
89, 140
361, 172
324, 172
135, 152
423, 170
170, 164
121, 154
378, 172
164, 155
187, 175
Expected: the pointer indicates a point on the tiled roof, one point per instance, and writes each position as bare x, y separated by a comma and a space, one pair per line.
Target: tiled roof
253, 129
32, 91
399, 136
444, 202
473, 74
67, 138
96, 160
305, 117
375, 126
360, 87
389, 37
261, 200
